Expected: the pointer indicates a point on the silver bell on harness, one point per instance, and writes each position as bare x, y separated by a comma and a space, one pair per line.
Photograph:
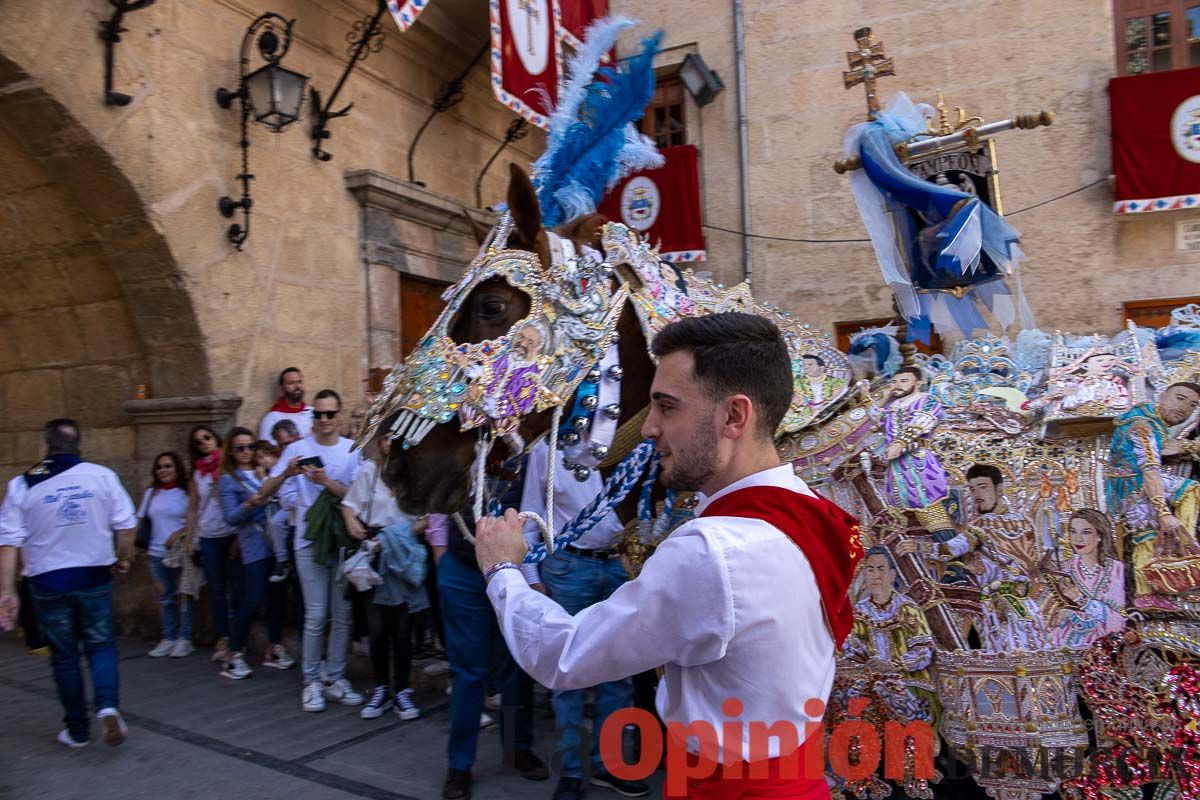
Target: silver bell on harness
582, 474
612, 411
615, 372
590, 402
570, 438
593, 375
581, 424
599, 451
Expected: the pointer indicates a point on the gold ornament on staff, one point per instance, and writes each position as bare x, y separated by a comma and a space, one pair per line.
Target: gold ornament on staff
867, 64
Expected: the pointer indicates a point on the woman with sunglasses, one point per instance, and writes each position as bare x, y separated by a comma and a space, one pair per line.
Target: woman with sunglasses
165, 504
244, 507
215, 536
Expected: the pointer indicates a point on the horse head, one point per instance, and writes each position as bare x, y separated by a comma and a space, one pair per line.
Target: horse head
517, 337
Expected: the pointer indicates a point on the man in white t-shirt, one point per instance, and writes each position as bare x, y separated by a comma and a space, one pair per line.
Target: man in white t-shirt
304, 478
289, 406
63, 512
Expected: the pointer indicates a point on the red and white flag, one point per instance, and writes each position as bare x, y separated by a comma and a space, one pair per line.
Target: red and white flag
663, 205
574, 16
1156, 140
525, 57
405, 12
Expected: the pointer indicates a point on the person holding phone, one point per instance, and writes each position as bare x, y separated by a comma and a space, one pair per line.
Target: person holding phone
323, 461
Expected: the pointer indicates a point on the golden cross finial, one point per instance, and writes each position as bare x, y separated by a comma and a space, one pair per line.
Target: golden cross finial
867, 64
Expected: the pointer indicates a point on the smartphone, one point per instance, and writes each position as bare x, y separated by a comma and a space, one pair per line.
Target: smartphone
311, 461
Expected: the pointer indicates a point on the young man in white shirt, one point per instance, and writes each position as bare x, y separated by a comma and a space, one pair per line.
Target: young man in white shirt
64, 513
301, 484
290, 406
745, 605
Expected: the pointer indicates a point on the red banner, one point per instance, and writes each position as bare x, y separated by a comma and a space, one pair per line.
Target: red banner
574, 16
1156, 140
525, 57
663, 205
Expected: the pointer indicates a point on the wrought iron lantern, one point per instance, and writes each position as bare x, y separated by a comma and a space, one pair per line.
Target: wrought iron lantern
272, 94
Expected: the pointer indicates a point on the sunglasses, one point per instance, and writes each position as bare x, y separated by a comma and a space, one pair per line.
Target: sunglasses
242, 448
324, 414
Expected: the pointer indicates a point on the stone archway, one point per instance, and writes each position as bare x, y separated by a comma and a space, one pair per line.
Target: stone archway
91, 300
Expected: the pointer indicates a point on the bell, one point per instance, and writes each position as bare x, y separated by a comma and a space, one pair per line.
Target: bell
615, 372
593, 375
590, 402
612, 411
581, 424
600, 451
570, 438
582, 474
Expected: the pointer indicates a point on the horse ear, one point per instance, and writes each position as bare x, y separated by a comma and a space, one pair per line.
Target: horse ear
585, 230
522, 202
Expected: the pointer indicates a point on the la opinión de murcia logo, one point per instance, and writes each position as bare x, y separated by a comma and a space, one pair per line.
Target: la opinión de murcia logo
1185, 129
640, 203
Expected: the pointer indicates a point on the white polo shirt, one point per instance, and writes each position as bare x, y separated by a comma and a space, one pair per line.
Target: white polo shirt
67, 520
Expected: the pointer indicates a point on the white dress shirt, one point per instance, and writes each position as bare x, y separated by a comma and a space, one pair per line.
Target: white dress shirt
729, 605
67, 520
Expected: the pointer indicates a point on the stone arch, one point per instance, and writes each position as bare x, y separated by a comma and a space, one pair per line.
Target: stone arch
92, 302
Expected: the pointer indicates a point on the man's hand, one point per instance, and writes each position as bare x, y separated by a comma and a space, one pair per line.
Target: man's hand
499, 539
1171, 525
539, 587
894, 451
122, 566
293, 467
906, 548
1173, 447
316, 475
355, 528
9, 605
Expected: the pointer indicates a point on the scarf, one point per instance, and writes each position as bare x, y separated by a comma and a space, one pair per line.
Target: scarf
50, 466
282, 406
166, 487
826, 535
207, 465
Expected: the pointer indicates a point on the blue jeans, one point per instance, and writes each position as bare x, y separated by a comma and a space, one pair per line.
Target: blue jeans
576, 582
254, 587
323, 598
66, 619
219, 573
478, 658
171, 603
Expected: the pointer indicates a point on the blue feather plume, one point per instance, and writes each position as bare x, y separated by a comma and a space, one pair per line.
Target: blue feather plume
1176, 344
592, 142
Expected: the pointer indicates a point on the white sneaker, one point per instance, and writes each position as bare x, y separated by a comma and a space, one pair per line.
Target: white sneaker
486, 721
343, 692
221, 651
405, 708
236, 668
163, 648
182, 648
439, 667
64, 738
380, 702
113, 725
278, 658
312, 699
492, 702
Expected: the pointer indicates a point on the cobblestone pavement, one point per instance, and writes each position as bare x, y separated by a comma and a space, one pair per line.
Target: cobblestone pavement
194, 734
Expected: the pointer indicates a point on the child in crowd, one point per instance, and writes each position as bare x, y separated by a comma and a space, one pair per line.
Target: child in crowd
265, 457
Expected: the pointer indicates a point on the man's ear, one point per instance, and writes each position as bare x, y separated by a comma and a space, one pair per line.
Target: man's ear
739, 417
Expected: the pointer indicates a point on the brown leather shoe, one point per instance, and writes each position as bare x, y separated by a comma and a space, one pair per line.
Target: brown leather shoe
530, 766
457, 785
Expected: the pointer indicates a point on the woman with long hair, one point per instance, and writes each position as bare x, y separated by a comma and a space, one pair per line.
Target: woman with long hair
214, 535
1097, 583
165, 504
245, 509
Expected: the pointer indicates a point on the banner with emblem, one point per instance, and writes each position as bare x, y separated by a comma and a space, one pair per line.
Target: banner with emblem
663, 205
525, 57
574, 16
405, 13
1156, 140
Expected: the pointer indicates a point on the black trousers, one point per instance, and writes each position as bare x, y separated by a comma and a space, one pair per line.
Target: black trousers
391, 645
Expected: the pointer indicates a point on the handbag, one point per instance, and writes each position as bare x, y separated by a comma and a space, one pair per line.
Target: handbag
144, 528
359, 572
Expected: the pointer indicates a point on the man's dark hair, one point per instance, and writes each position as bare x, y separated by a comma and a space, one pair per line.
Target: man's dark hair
736, 353
820, 361
61, 437
915, 371
321, 395
986, 471
287, 426
283, 374
1195, 387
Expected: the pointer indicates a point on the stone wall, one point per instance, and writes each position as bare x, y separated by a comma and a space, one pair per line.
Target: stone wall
995, 59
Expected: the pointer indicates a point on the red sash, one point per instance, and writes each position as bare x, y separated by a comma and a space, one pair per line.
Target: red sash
826, 534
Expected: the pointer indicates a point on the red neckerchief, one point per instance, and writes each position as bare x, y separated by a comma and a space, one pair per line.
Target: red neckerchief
826, 534
207, 465
282, 405
166, 487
